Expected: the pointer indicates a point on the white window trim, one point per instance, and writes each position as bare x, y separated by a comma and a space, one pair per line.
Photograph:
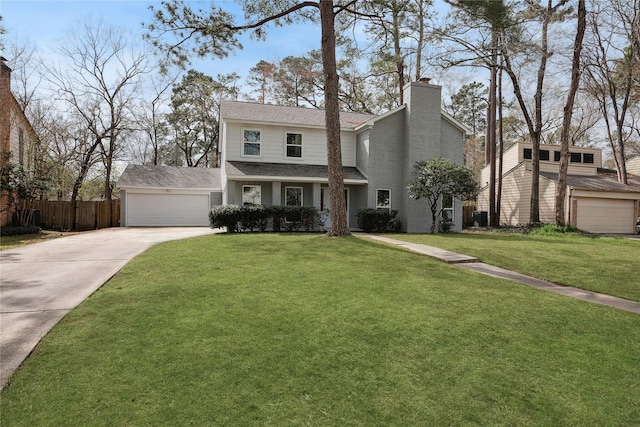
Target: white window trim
242, 154
287, 145
383, 207
251, 186
301, 194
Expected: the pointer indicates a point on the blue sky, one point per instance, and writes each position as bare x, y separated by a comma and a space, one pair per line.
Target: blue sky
46, 22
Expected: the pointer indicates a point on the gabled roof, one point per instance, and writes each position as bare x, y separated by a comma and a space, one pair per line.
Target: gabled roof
276, 114
600, 182
170, 177
291, 172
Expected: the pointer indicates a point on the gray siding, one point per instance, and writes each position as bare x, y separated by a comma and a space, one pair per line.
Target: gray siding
386, 143
424, 141
362, 152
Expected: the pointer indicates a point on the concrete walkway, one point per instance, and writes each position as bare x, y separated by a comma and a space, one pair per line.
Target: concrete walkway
473, 264
40, 283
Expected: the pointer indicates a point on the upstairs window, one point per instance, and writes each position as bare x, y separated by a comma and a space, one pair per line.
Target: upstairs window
294, 145
383, 198
556, 156
576, 157
528, 153
251, 142
587, 158
544, 154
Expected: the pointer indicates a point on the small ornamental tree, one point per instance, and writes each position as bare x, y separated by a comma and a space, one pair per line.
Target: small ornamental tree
434, 178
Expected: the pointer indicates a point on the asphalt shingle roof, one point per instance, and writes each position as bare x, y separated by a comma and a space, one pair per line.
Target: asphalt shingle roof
152, 176
277, 114
255, 169
600, 182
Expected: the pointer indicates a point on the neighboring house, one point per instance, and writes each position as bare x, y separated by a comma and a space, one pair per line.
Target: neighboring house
275, 155
17, 136
595, 201
633, 165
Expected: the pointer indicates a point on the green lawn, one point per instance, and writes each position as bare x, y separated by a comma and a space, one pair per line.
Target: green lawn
606, 264
290, 330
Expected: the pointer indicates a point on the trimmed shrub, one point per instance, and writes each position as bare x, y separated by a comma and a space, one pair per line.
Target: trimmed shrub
378, 220
252, 217
228, 216
18, 230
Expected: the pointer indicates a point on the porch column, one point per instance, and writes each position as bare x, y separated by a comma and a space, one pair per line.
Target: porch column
317, 189
276, 193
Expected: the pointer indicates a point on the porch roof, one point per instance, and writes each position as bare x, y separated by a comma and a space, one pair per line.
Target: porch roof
288, 172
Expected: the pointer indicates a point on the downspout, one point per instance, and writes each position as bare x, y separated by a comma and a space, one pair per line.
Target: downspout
570, 208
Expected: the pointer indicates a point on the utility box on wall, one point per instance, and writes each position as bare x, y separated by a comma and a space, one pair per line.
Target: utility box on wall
480, 218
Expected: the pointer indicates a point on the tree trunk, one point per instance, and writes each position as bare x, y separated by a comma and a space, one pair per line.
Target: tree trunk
398, 55
561, 188
501, 145
84, 168
332, 120
490, 143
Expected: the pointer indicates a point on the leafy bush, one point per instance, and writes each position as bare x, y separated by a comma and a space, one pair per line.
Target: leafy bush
445, 226
298, 217
378, 220
551, 229
252, 217
228, 216
18, 230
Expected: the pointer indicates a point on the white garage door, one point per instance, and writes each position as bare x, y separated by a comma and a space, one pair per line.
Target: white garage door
167, 209
605, 215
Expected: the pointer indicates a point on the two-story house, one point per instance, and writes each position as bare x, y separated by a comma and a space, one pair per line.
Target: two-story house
17, 136
275, 155
595, 200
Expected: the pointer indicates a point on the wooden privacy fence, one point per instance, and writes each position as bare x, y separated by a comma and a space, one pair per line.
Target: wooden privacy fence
80, 216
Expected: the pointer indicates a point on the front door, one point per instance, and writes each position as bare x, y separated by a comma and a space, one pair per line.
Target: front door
325, 205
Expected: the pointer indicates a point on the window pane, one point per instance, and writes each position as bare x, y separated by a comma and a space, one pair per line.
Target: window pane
251, 195
251, 146
252, 136
544, 154
293, 151
528, 154
294, 139
576, 157
293, 196
294, 145
447, 201
383, 199
251, 149
587, 157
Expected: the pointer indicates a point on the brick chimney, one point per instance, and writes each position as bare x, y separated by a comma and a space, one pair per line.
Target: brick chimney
5, 105
5, 75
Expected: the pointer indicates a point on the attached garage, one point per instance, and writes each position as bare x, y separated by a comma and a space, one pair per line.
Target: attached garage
157, 196
600, 215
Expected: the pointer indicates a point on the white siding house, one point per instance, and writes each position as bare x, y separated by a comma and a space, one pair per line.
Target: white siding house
595, 202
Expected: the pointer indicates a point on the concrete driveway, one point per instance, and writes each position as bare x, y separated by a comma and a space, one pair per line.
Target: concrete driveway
40, 283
